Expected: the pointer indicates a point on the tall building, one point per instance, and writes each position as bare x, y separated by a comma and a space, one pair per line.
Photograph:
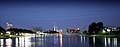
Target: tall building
54, 28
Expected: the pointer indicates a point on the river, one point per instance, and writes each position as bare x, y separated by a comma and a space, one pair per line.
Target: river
60, 41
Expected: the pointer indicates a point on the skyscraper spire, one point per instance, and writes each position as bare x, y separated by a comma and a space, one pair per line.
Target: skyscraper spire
54, 28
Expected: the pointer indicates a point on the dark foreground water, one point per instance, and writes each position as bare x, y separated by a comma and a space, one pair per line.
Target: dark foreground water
60, 41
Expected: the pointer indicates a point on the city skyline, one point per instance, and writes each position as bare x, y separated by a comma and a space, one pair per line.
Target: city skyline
63, 14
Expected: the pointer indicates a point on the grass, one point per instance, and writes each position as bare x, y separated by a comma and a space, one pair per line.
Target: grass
10, 36
100, 34
13, 36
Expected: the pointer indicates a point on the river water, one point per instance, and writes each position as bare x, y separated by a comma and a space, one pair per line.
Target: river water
60, 41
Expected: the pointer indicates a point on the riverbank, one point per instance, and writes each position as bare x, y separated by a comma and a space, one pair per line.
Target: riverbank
88, 35
24, 35
96, 35
10, 36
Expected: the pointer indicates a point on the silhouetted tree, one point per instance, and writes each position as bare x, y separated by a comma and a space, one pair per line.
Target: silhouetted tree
85, 32
95, 27
2, 30
99, 26
90, 29
118, 28
16, 30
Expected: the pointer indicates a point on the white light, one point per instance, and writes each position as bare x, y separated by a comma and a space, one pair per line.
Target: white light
105, 41
103, 31
109, 41
8, 32
78, 28
60, 40
81, 39
8, 42
94, 40
108, 30
115, 41
1, 41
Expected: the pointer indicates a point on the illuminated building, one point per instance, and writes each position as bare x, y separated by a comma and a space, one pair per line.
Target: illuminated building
73, 30
9, 25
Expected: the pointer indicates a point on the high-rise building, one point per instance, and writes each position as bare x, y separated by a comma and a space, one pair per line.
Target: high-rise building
54, 28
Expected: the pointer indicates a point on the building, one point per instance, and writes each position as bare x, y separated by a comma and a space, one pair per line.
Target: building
73, 30
109, 29
9, 25
106, 29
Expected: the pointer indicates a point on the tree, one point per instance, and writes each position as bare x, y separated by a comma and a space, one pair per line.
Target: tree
2, 30
99, 26
18, 31
95, 27
85, 32
90, 29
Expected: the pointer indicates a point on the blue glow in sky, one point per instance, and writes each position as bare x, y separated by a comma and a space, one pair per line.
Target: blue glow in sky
63, 14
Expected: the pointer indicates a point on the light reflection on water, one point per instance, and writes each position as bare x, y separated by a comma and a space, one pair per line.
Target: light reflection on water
60, 41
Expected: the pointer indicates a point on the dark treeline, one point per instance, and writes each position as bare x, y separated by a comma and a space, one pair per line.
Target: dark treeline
16, 30
50, 31
95, 27
2, 30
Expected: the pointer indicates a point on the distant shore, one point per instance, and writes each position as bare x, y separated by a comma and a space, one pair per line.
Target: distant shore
95, 35
13, 36
10, 36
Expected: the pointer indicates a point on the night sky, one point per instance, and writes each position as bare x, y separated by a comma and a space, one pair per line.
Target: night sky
61, 13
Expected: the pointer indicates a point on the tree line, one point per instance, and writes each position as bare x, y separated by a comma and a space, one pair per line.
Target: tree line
15, 30
95, 28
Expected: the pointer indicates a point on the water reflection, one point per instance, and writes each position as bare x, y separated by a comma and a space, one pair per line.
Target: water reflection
60, 41
103, 41
111, 42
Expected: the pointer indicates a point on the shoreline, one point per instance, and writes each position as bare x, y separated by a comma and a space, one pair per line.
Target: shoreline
14, 36
99, 35
94, 35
